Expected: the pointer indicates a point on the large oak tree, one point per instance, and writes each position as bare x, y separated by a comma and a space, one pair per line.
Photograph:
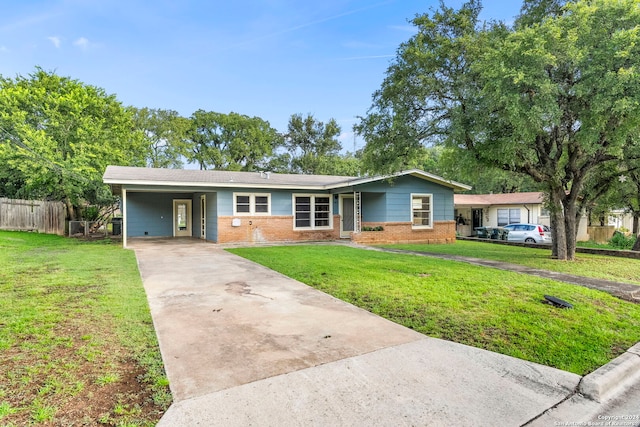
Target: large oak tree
57, 135
230, 141
554, 97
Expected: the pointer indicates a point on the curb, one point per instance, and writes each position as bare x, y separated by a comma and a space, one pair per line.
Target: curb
613, 378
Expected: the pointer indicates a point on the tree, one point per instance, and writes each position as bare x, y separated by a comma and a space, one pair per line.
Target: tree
230, 141
57, 135
164, 132
313, 146
553, 99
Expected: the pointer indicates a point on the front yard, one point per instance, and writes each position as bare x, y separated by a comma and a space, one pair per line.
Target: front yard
482, 307
588, 265
77, 344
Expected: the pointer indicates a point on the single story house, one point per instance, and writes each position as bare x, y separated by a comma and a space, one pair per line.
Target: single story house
246, 207
496, 210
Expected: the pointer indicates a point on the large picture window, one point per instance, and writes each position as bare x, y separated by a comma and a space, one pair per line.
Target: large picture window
422, 210
508, 216
251, 204
312, 211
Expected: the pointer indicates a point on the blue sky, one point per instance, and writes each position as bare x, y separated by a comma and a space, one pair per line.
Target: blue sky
269, 58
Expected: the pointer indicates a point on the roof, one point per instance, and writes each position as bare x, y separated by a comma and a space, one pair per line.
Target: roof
127, 175
527, 198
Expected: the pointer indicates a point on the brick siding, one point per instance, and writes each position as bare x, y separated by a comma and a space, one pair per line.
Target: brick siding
274, 228
402, 232
277, 228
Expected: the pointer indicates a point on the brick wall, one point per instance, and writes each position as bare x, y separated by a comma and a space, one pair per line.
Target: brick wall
273, 228
402, 232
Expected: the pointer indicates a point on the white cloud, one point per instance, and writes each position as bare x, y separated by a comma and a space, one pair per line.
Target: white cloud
55, 40
82, 43
404, 28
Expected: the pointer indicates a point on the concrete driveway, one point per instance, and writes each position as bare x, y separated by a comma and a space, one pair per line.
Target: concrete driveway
244, 345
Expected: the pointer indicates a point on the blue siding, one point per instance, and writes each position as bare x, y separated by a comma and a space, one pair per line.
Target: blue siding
374, 207
195, 216
212, 217
281, 203
151, 213
398, 198
281, 200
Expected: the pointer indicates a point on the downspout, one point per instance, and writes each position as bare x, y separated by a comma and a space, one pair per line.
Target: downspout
528, 214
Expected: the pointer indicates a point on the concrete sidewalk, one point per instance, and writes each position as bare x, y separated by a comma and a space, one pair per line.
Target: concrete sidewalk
244, 345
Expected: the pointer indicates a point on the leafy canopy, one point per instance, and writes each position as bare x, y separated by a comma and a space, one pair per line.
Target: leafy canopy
57, 135
554, 97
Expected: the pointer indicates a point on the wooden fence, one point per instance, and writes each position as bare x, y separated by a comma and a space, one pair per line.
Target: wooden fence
32, 215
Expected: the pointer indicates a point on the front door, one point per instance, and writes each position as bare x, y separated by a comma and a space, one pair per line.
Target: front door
476, 215
182, 218
347, 215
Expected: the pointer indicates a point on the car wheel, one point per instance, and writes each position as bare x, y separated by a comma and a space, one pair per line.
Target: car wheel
529, 240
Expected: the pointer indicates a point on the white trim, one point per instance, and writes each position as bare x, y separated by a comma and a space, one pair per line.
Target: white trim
252, 204
430, 196
203, 216
189, 231
124, 218
312, 211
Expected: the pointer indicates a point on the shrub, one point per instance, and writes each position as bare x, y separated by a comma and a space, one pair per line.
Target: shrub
620, 241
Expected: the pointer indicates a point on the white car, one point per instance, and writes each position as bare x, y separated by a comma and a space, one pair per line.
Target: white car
528, 233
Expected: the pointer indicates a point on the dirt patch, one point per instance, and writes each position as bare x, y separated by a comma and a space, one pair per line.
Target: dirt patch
74, 381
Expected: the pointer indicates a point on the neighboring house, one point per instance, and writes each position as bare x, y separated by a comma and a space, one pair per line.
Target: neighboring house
225, 206
496, 210
621, 218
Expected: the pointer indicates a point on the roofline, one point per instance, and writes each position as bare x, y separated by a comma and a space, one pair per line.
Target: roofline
347, 183
214, 184
421, 174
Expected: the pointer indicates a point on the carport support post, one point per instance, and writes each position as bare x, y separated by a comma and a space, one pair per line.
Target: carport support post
124, 218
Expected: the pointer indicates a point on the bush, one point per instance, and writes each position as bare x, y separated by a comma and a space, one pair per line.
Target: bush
620, 241
378, 228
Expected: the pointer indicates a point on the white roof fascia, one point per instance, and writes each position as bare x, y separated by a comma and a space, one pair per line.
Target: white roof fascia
215, 185
428, 176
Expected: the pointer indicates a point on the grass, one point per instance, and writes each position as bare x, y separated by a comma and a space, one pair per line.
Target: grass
495, 310
76, 337
588, 265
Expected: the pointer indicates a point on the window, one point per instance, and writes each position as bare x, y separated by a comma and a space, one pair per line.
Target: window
312, 212
421, 211
251, 204
508, 216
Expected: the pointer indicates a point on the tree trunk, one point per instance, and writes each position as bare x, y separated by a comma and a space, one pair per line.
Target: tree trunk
559, 246
571, 230
636, 245
554, 234
71, 210
636, 232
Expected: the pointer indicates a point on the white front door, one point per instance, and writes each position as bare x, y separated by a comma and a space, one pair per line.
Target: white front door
347, 215
182, 218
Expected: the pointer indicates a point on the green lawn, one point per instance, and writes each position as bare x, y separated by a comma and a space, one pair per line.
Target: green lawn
77, 344
495, 310
597, 266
